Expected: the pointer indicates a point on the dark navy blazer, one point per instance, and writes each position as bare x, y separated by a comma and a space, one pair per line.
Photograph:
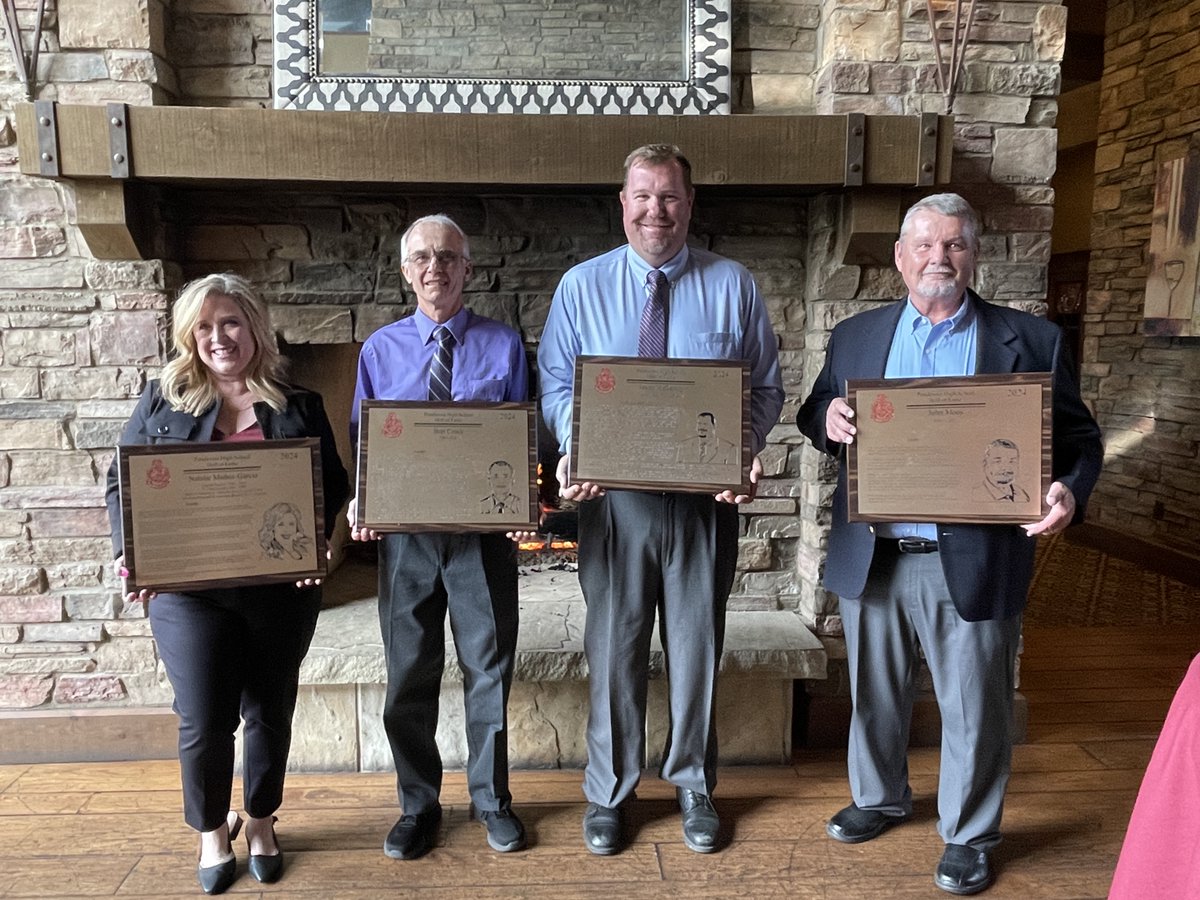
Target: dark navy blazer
988, 567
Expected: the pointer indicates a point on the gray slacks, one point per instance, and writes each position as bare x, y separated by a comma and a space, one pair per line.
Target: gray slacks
907, 609
475, 577
640, 553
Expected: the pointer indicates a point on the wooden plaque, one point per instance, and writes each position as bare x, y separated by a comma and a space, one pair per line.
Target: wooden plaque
221, 514
447, 466
662, 424
963, 449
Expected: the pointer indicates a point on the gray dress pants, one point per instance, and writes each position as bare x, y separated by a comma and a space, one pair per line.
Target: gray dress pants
905, 610
640, 553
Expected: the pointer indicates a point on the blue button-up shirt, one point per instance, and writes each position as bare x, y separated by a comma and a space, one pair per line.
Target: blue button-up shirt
488, 362
921, 349
715, 312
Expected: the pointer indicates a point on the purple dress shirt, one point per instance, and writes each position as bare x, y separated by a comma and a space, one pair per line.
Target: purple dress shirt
489, 362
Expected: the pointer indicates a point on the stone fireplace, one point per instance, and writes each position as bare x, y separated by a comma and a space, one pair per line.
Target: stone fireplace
328, 263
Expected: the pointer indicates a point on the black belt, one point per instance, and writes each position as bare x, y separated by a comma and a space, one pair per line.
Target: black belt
908, 545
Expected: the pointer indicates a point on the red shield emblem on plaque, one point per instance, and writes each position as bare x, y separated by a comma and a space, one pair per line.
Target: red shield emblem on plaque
882, 409
392, 426
605, 381
159, 475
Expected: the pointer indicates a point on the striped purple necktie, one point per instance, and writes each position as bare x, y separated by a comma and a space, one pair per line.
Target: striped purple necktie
652, 334
440, 366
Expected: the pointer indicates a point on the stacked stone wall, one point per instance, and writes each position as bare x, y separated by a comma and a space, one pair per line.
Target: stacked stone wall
77, 338
543, 39
1145, 389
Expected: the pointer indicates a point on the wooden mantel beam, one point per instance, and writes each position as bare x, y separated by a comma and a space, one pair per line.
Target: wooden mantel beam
108, 152
181, 145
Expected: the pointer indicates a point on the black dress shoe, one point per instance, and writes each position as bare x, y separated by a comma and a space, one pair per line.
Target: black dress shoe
854, 826
602, 829
266, 869
216, 879
263, 867
413, 836
700, 823
963, 870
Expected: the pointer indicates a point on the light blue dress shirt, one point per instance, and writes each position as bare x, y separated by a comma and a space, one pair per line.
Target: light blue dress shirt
921, 349
715, 312
488, 362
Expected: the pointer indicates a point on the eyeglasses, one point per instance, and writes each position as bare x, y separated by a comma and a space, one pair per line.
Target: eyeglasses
422, 258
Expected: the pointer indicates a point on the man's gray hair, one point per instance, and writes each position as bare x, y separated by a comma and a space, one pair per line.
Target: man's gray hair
947, 205
435, 219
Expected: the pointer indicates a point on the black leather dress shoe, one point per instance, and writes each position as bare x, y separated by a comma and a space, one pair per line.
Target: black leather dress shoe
265, 869
216, 879
413, 836
701, 827
963, 870
854, 826
602, 829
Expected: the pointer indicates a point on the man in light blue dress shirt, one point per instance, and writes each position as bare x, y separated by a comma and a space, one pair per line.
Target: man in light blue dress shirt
645, 551
952, 593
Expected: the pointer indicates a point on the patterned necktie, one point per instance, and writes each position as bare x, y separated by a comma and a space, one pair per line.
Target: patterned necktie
652, 335
440, 366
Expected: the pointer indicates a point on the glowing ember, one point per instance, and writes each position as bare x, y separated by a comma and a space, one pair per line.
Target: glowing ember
552, 545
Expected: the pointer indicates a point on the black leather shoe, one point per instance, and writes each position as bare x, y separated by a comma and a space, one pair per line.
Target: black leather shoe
700, 823
216, 879
602, 829
854, 826
963, 870
413, 836
266, 869
263, 867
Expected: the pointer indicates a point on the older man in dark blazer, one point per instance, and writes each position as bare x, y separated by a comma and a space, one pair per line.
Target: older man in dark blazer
954, 591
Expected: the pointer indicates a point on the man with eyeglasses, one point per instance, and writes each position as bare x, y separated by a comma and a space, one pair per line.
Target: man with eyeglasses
644, 552
446, 353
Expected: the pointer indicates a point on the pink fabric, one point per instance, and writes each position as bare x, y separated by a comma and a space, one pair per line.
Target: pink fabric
249, 433
1160, 859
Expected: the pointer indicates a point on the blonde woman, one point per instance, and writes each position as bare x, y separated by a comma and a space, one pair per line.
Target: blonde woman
230, 653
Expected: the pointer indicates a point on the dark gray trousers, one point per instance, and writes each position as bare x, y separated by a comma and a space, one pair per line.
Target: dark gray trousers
640, 553
905, 610
475, 577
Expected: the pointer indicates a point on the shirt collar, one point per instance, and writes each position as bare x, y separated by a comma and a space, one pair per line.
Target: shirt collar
672, 268
457, 325
911, 318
